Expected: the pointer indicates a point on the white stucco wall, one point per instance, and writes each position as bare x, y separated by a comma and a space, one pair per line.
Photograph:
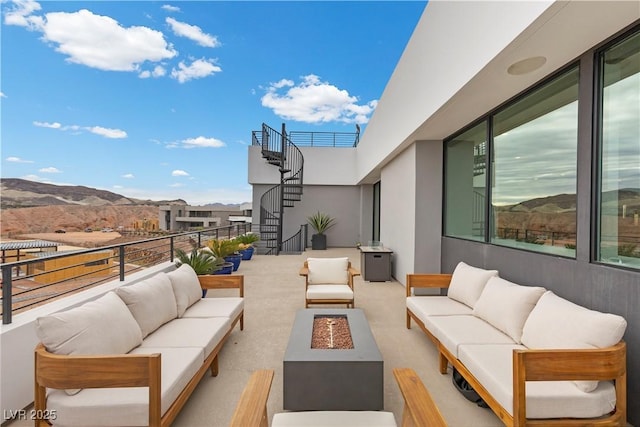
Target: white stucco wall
398, 211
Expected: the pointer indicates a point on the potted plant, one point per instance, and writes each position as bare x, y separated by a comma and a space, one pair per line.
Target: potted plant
203, 262
320, 222
246, 242
226, 249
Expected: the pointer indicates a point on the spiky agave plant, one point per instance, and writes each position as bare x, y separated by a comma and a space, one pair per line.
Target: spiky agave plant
321, 222
202, 261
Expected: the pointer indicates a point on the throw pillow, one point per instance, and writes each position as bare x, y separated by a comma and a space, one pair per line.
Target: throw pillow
506, 305
151, 302
186, 287
557, 323
328, 270
467, 283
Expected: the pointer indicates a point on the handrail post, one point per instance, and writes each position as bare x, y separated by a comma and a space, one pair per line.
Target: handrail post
7, 300
121, 255
171, 248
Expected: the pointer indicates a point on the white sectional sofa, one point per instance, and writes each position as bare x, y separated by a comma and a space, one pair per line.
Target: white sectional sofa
132, 357
530, 354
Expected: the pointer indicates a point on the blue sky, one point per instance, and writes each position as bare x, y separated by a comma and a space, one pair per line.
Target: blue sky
157, 100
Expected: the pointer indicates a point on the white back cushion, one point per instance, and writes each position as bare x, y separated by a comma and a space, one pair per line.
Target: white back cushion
557, 323
186, 287
103, 326
328, 270
506, 305
468, 282
151, 302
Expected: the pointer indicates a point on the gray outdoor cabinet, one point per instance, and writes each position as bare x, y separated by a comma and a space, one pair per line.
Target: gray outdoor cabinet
375, 262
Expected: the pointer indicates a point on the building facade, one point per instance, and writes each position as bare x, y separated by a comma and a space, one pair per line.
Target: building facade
508, 137
185, 217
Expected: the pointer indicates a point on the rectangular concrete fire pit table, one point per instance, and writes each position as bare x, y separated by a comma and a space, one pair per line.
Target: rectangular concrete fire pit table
332, 379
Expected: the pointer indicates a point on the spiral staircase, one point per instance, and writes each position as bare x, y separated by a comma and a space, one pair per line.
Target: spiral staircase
278, 150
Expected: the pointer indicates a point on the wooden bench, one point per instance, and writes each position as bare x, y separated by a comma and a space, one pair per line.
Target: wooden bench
419, 408
588, 364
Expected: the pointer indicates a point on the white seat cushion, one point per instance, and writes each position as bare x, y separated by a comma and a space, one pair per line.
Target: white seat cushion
127, 406
186, 287
492, 365
103, 326
558, 323
467, 283
334, 419
151, 302
506, 305
328, 270
435, 305
329, 292
230, 307
204, 333
453, 331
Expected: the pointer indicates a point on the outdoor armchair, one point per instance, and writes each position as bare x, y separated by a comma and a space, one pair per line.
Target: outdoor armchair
329, 281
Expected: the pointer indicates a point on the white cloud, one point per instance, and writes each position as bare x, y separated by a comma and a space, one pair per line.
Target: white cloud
170, 8
54, 125
101, 42
2, 95
128, 176
158, 71
107, 133
179, 172
202, 141
176, 185
313, 101
50, 169
20, 14
198, 69
13, 159
192, 32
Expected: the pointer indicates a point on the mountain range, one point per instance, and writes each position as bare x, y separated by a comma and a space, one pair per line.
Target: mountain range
22, 193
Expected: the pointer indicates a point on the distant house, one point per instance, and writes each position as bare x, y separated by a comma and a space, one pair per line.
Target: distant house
185, 217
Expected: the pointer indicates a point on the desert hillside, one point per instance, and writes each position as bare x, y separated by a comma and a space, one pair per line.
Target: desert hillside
47, 219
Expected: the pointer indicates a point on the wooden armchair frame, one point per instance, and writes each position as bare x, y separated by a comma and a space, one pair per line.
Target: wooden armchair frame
351, 273
602, 364
419, 408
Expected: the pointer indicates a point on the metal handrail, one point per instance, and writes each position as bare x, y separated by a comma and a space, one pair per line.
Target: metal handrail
125, 258
308, 139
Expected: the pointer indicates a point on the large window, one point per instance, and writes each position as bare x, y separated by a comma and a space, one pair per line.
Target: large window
534, 162
529, 159
619, 144
465, 184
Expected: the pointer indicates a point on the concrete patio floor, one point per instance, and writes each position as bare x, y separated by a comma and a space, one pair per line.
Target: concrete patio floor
273, 294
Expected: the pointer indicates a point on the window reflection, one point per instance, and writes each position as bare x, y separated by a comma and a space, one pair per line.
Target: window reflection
533, 185
619, 201
465, 184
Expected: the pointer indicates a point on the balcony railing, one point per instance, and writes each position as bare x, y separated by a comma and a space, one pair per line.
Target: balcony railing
32, 282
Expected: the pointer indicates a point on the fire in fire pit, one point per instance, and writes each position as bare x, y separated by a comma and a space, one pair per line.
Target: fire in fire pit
331, 332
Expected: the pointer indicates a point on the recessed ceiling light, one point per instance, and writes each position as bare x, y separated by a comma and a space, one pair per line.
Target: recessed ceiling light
526, 65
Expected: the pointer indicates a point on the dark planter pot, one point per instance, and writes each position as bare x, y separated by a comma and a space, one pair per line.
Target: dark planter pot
247, 253
227, 268
235, 259
318, 242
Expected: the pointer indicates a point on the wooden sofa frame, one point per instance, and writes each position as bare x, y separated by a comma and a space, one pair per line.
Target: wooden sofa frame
352, 272
419, 408
538, 365
126, 370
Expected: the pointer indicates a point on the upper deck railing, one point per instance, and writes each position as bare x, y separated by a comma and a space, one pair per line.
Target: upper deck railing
32, 282
317, 139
